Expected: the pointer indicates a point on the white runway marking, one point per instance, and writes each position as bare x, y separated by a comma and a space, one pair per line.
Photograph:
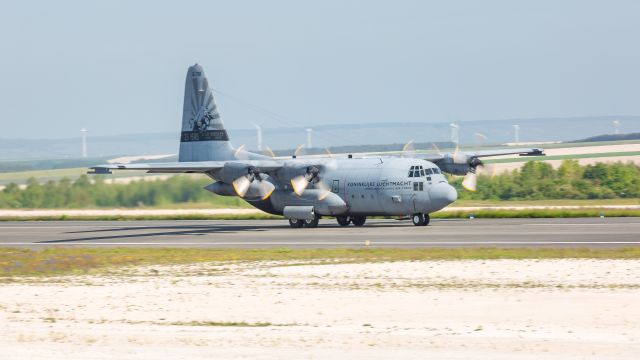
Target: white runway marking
573, 224
31, 227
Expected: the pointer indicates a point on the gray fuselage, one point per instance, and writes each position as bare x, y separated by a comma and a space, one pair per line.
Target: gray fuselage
369, 186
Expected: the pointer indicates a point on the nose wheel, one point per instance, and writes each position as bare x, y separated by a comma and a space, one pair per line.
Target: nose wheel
420, 219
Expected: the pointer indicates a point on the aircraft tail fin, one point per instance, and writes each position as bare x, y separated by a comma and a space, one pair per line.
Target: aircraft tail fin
203, 137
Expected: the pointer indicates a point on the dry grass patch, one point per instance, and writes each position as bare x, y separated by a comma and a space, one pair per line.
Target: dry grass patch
77, 261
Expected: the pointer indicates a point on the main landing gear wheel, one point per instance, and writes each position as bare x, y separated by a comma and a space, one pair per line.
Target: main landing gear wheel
343, 220
420, 219
312, 223
358, 220
295, 223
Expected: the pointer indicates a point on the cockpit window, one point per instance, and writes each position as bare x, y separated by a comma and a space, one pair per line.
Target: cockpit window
429, 171
436, 171
416, 171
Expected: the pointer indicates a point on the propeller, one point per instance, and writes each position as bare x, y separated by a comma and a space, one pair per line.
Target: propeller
301, 182
470, 181
297, 151
408, 150
324, 190
241, 185
269, 152
436, 148
241, 153
328, 152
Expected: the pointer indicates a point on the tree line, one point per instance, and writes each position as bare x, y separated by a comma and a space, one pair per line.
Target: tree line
534, 181
539, 180
94, 192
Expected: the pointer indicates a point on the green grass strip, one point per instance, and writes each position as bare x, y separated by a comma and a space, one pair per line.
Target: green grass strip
537, 213
142, 217
18, 262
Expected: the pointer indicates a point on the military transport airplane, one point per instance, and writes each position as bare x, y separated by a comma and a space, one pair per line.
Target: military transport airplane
304, 189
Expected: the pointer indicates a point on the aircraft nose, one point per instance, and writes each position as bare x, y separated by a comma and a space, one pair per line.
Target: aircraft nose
442, 195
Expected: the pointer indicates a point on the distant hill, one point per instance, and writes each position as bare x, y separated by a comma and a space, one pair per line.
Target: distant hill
330, 135
611, 137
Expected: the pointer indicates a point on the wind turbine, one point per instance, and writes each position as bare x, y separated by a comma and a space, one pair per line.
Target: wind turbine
83, 134
258, 135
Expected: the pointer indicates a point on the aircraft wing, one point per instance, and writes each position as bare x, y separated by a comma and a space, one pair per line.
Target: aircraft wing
485, 153
185, 167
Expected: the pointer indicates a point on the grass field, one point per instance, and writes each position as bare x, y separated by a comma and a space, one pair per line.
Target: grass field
556, 202
69, 261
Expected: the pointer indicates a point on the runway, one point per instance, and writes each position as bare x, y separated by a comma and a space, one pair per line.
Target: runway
580, 232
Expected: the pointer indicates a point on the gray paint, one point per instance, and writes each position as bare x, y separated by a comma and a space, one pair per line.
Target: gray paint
200, 117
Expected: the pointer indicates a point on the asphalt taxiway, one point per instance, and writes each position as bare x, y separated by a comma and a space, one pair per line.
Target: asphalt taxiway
579, 232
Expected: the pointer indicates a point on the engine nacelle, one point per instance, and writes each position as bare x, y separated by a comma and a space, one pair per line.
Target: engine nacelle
460, 167
449, 167
292, 169
234, 170
220, 188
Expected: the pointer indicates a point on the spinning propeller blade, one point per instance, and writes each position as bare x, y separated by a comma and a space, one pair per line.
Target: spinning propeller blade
299, 184
269, 152
240, 153
241, 185
436, 148
266, 189
324, 190
470, 181
408, 150
298, 149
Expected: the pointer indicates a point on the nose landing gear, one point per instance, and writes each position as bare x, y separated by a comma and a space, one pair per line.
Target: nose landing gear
420, 219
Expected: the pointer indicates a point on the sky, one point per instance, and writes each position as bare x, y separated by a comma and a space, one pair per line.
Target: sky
118, 67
